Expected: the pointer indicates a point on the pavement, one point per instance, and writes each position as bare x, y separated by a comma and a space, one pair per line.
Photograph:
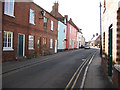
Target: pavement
16, 64
96, 77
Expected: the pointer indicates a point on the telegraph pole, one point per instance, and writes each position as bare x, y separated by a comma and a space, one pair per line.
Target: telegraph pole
100, 32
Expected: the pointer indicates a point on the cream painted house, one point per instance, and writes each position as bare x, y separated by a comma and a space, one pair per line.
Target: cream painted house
111, 36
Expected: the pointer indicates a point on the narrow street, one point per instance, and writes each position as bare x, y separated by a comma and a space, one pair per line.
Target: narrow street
63, 71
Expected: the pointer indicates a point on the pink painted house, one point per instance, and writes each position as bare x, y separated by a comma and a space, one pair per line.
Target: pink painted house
71, 35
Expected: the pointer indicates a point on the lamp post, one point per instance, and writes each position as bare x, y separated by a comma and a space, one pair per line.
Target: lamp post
100, 32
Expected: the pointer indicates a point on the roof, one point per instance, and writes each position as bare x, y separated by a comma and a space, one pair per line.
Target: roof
73, 24
44, 10
95, 38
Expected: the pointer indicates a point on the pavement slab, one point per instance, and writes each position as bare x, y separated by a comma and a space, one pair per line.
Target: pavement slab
96, 77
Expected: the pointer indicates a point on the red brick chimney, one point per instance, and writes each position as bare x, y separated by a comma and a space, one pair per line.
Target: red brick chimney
55, 9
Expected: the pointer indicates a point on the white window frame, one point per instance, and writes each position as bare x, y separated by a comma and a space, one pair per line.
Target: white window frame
8, 13
45, 22
70, 30
52, 24
32, 16
44, 41
8, 48
58, 27
30, 48
51, 43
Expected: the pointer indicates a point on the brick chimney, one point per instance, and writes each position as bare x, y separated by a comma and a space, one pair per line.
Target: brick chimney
66, 16
55, 9
70, 19
96, 34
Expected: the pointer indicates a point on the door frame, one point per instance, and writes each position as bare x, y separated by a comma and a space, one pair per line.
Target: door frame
110, 50
23, 44
55, 46
39, 47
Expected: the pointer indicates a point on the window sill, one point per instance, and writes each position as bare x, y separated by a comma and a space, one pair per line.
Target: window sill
8, 49
32, 23
9, 15
31, 49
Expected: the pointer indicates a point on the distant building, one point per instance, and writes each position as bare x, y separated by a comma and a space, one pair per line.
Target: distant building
79, 37
82, 41
95, 41
73, 33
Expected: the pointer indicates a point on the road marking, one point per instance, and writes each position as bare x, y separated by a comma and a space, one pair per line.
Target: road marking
79, 74
84, 77
73, 76
83, 59
76, 72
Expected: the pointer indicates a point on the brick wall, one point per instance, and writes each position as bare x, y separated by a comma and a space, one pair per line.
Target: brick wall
20, 24
116, 73
118, 36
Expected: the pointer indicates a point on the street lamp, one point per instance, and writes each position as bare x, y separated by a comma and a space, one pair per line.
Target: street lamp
100, 32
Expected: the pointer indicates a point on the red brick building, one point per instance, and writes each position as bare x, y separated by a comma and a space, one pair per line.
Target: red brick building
28, 30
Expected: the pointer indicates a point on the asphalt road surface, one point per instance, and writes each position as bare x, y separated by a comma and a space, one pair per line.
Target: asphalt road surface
63, 71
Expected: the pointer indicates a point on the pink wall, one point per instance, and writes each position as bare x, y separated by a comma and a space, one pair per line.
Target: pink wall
71, 37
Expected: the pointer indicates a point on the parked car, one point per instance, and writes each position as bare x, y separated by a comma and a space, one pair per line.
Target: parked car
87, 46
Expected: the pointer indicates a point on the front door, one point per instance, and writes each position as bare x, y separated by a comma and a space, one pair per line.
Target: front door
20, 45
110, 51
39, 45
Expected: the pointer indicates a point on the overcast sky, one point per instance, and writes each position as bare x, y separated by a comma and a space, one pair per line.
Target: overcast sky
84, 13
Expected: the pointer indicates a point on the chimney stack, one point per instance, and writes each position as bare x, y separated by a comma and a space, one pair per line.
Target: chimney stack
66, 16
55, 8
70, 19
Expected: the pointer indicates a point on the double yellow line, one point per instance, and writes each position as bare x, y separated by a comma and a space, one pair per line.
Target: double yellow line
80, 68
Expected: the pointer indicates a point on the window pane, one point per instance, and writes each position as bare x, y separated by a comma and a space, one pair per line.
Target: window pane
9, 44
51, 43
32, 16
45, 20
9, 37
45, 40
5, 39
31, 42
51, 25
4, 44
11, 7
6, 6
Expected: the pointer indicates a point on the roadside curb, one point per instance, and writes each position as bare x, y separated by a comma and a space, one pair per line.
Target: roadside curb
86, 70
26, 65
